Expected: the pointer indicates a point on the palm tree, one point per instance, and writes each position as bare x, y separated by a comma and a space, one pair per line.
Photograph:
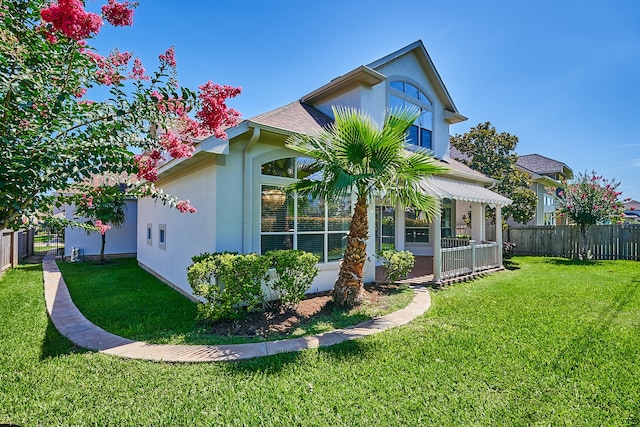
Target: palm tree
358, 158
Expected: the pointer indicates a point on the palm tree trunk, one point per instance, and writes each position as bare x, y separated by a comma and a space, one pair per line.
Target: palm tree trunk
348, 289
101, 258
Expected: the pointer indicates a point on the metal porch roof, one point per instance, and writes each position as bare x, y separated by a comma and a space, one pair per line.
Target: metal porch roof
463, 191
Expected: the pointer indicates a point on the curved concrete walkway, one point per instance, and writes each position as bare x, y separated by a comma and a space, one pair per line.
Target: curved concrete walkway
73, 325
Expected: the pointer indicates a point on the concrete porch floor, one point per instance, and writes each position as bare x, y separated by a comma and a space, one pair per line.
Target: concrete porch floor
422, 272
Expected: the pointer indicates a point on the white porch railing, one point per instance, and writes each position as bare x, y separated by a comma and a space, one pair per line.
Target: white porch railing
464, 260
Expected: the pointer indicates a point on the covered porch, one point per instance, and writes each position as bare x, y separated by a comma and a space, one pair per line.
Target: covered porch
441, 255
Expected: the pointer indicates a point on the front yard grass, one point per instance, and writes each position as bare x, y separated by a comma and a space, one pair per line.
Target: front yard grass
123, 299
551, 342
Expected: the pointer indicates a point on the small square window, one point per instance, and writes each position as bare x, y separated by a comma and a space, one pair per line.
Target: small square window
149, 234
162, 236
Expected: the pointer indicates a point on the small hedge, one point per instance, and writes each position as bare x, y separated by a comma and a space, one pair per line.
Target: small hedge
294, 273
397, 264
231, 283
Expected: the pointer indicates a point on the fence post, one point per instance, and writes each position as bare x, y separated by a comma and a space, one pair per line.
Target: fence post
473, 255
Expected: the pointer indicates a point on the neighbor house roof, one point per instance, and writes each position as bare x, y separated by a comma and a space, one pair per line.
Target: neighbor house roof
543, 165
296, 117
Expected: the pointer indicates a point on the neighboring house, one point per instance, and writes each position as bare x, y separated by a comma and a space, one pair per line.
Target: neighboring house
120, 242
545, 173
237, 184
631, 211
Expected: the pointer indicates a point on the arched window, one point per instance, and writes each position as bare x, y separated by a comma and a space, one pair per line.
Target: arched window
288, 221
403, 94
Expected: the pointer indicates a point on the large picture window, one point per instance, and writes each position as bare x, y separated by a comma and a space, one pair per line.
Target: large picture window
403, 95
289, 221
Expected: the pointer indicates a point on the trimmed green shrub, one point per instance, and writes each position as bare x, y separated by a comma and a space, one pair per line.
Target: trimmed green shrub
294, 273
229, 283
207, 255
397, 264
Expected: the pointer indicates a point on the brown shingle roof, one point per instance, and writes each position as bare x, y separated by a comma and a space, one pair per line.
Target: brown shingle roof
461, 167
297, 117
541, 164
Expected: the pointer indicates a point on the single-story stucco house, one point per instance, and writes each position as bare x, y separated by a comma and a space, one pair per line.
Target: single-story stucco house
236, 185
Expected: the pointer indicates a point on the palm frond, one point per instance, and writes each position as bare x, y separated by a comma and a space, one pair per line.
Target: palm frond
355, 155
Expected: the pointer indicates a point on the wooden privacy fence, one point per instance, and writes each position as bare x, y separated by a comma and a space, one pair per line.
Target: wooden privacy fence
15, 246
616, 241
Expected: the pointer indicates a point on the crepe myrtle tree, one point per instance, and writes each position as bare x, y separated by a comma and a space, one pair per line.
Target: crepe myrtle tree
104, 208
590, 199
357, 157
55, 136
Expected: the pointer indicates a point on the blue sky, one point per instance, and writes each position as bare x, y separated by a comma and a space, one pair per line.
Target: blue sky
564, 75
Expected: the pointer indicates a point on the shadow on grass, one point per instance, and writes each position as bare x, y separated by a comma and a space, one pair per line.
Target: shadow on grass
350, 350
510, 264
571, 262
55, 345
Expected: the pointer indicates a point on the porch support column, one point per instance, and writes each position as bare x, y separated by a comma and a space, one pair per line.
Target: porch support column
499, 233
477, 222
399, 228
437, 248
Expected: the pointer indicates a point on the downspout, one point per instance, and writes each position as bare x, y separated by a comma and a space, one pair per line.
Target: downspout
247, 193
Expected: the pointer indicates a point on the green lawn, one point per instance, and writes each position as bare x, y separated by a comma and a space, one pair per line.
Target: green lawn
123, 299
551, 342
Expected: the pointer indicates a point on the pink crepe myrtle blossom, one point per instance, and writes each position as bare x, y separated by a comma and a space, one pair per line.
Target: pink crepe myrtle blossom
138, 72
102, 228
148, 165
176, 147
80, 92
69, 18
110, 68
214, 114
184, 206
119, 14
87, 200
168, 58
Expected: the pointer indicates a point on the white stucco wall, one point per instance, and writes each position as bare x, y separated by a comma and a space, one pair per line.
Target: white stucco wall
120, 241
186, 234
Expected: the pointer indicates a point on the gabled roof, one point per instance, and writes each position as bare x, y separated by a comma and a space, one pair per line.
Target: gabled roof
543, 165
296, 117
368, 75
418, 48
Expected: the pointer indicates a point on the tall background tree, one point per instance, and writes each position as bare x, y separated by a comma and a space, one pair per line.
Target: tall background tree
55, 132
589, 200
359, 158
493, 154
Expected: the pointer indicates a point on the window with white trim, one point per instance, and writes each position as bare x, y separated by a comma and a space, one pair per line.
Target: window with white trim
288, 221
404, 94
446, 227
149, 234
416, 227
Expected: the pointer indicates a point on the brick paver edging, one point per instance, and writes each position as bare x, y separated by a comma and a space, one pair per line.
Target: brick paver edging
73, 325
